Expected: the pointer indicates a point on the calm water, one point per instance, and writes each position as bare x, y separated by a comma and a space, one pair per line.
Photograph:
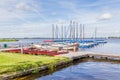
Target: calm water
23, 42
87, 71
113, 46
90, 70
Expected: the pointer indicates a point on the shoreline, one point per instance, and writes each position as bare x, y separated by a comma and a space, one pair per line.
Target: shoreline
72, 58
31, 71
14, 64
9, 40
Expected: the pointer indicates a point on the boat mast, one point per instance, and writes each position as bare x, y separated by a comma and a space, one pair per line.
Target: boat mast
76, 31
73, 31
56, 32
62, 32
65, 35
83, 31
67, 32
95, 32
53, 31
70, 30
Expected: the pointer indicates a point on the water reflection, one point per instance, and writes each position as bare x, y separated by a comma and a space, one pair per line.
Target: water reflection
113, 46
87, 69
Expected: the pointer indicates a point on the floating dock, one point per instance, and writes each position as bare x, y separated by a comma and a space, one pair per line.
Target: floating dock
4, 49
78, 55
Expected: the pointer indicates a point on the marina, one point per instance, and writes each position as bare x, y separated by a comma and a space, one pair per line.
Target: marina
59, 40
83, 70
74, 32
74, 57
81, 58
80, 55
74, 49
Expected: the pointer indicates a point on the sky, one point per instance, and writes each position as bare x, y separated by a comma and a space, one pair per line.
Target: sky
34, 18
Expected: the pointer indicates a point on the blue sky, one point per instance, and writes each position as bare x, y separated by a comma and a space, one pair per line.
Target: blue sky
34, 18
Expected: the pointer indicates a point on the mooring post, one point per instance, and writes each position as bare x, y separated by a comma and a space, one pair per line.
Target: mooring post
21, 49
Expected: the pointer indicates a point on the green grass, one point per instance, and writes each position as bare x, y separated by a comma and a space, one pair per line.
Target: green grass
8, 40
14, 62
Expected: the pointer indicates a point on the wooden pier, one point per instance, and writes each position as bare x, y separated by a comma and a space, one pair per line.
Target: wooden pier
79, 55
4, 49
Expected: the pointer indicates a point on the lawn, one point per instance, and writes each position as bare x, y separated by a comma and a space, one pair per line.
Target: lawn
8, 40
14, 62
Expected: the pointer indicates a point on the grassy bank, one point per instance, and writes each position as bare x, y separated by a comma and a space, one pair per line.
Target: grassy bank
8, 40
13, 62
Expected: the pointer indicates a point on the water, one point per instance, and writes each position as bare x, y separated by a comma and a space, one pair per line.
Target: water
87, 70
23, 42
113, 46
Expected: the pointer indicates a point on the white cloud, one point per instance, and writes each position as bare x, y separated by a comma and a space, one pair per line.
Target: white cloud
99, 3
22, 11
31, 6
105, 16
22, 6
27, 30
31, 17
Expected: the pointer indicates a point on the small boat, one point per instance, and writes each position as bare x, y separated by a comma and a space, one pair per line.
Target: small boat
48, 41
86, 45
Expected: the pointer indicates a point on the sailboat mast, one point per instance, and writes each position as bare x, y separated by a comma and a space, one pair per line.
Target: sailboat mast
95, 32
62, 32
53, 31
56, 32
65, 33
76, 30
70, 30
74, 27
73, 30
83, 31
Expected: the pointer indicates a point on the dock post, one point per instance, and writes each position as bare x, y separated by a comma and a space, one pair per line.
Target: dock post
21, 49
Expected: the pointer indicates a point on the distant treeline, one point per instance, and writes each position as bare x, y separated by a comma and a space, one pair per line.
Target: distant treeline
114, 37
8, 40
47, 38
